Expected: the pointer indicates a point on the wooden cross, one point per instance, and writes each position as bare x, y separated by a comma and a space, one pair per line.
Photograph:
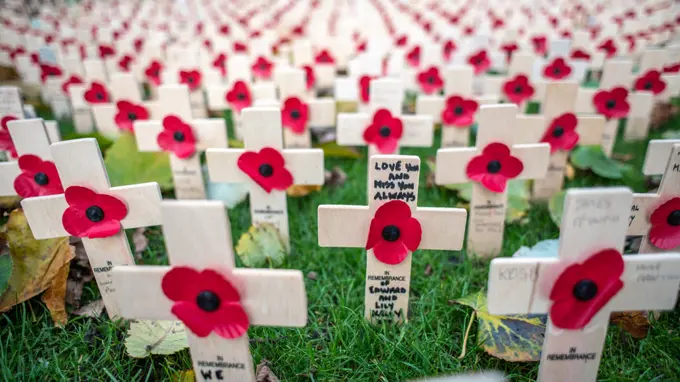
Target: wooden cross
386, 98
173, 74
81, 168
11, 108
662, 158
293, 94
552, 127
262, 130
585, 284
264, 297
30, 139
94, 71
497, 131
389, 219
183, 137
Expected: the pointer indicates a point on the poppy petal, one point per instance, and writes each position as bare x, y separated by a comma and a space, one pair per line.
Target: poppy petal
75, 222
230, 321
390, 252
30, 163
25, 186
181, 284
77, 196
113, 207
193, 317
103, 229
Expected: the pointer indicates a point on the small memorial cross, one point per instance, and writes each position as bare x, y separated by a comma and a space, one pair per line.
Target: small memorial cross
384, 129
266, 167
495, 161
300, 112
11, 108
92, 91
216, 301
93, 210
182, 137
391, 228
656, 216
587, 282
34, 173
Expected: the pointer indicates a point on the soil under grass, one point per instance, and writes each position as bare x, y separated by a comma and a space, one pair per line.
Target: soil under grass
338, 343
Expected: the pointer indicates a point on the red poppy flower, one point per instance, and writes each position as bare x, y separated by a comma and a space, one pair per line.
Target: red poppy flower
71, 80
361, 47
324, 57
651, 81
393, 232
266, 168
220, 63
608, 47
262, 68
509, 49
90, 214
557, 70
177, 137
447, 50
384, 132
468, 30
239, 96
97, 93
579, 54
106, 51
16, 52
612, 103
240, 47
295, 115
153, 72
413, 57
128, 113
192, 78
518, 89
124, 63
665, 225
224, 29
310, 77
35, 58
6, 142
480, 61
674, 68
205, 302
37, 178
494, 167
138, 43
540, 44
459, 112
401, 40
47, 70
364, 87
430, 81
207, 43
582, 289
561, 134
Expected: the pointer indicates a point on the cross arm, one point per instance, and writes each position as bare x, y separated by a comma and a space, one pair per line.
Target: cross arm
350, 128
584, 101
217, 97
590, 129
418, 131
321, 112
443, 228
30, 137
431, 105
8, 172
650, 282
306, 165
638, 223
142, 200
658, 153
514, 287
208, 132
271, 297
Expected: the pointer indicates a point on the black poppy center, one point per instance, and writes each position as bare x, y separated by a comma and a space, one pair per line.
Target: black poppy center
674, 218
263, 66
178, 136
132, 116
391, 233
518, 89
556, 71
493, 166
155, 73
295, 114
458, 110
266, 170
41, 178
190, 80
385, 131
99, 96
610, 104
558, 132
477, 61
208, 301
94, 213
430, 80
241, 96
648, 85
585, 290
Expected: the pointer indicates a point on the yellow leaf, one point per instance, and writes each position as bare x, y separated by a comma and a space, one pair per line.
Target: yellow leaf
346, 107
261, 246
55, 296
297, 190
155, 337
570, 172
38, 264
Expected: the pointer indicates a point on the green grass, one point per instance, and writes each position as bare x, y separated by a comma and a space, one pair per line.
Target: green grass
338, 343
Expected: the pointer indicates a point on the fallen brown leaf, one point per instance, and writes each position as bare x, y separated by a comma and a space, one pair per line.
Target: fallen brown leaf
55, 297
335, 178
570, 172
79, 275
623, 157
93, 309
140, 241
297, 190
428, 270
263, 373
636, 323
312, 275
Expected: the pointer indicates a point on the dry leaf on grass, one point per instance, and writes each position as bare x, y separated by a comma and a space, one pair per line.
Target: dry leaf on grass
55, 296
93, 309
636, 323
263, 373
39, 265
79, 275
140, 241
297, 190
335, 178
145, 338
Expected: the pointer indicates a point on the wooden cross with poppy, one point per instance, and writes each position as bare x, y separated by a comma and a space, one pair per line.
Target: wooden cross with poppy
299, 112
456, 110
216, 301
497, 159
610, 100
391, 228
517, 86
34, 173
562, 130
355, 87
192, 77
267, 168
239, 92
125, 107
384, 129
90, 90
11, 108
176, 132
588, 281
91, 209
656, 216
